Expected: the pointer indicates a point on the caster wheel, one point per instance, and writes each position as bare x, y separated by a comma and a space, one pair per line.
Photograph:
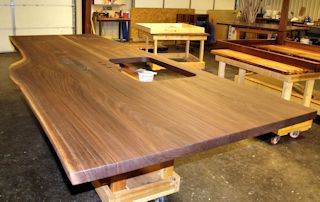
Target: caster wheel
161, 199
294, 134
274, 140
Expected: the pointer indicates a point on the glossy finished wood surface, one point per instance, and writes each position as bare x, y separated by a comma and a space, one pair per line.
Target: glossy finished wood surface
103, 123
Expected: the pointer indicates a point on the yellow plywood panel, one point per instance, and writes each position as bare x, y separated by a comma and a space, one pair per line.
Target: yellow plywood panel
215, 16
160, 28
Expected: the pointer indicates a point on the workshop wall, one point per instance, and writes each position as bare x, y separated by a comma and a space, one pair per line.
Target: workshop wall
312, 7
36, 17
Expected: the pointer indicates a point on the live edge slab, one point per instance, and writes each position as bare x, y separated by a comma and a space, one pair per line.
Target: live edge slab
105, 125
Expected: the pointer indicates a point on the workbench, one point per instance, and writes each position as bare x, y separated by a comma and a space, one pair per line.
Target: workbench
176, 32
101, 19
123, 135
258, 28
286, 73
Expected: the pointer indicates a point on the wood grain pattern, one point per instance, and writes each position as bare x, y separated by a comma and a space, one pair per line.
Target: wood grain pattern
170, 28
258, 61
154, 15
103, 123
262, 26
247, 47
297, 52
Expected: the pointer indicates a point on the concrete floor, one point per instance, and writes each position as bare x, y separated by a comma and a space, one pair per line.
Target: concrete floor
249, 170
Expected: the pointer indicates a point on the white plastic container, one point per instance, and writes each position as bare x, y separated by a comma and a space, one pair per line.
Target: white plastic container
145, 75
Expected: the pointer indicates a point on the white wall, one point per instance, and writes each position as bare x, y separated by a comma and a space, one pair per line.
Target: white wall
35, 17
224, 4
176, 4
5, 26
201, 6
148, 3
312, 7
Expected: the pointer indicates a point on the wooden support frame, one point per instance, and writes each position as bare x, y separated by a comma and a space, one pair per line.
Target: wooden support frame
287, 59
286, 89
159, 34
142, 185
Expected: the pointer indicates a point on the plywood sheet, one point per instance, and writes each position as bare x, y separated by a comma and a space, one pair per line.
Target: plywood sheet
169, 28
215, 16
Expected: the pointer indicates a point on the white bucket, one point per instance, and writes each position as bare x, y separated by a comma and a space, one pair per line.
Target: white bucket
145, 75
305, 41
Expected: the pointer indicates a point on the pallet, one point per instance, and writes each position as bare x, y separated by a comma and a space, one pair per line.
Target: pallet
142, 185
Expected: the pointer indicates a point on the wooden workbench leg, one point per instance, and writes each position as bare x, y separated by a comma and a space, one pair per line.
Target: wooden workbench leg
187, 48
222, 69
201, 51
307, 95
236, 34
129, 30
147, 43
118, 183
155, 48
167, 170
242, 74
287, 90
100, 28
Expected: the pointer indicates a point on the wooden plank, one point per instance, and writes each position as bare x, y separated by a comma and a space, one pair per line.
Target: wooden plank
242, 73
260, 62
267, 72
287, 90
222, 69
283, 22
102, 123
146, 192
307, 95
297, 52
118, 183
303, 46
290, 60
174, 28
304, 126
260, 26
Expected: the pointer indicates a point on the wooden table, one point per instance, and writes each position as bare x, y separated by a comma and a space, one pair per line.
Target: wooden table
288, 74
119, 20
174, 32
258, 28
123, 135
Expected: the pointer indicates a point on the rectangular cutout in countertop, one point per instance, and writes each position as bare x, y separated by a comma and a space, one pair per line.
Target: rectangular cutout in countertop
130, 65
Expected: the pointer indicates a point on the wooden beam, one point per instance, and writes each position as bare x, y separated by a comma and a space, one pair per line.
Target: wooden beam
86, 16
290, 60
282, 34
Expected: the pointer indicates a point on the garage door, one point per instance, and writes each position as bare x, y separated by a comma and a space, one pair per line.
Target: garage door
35, 17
